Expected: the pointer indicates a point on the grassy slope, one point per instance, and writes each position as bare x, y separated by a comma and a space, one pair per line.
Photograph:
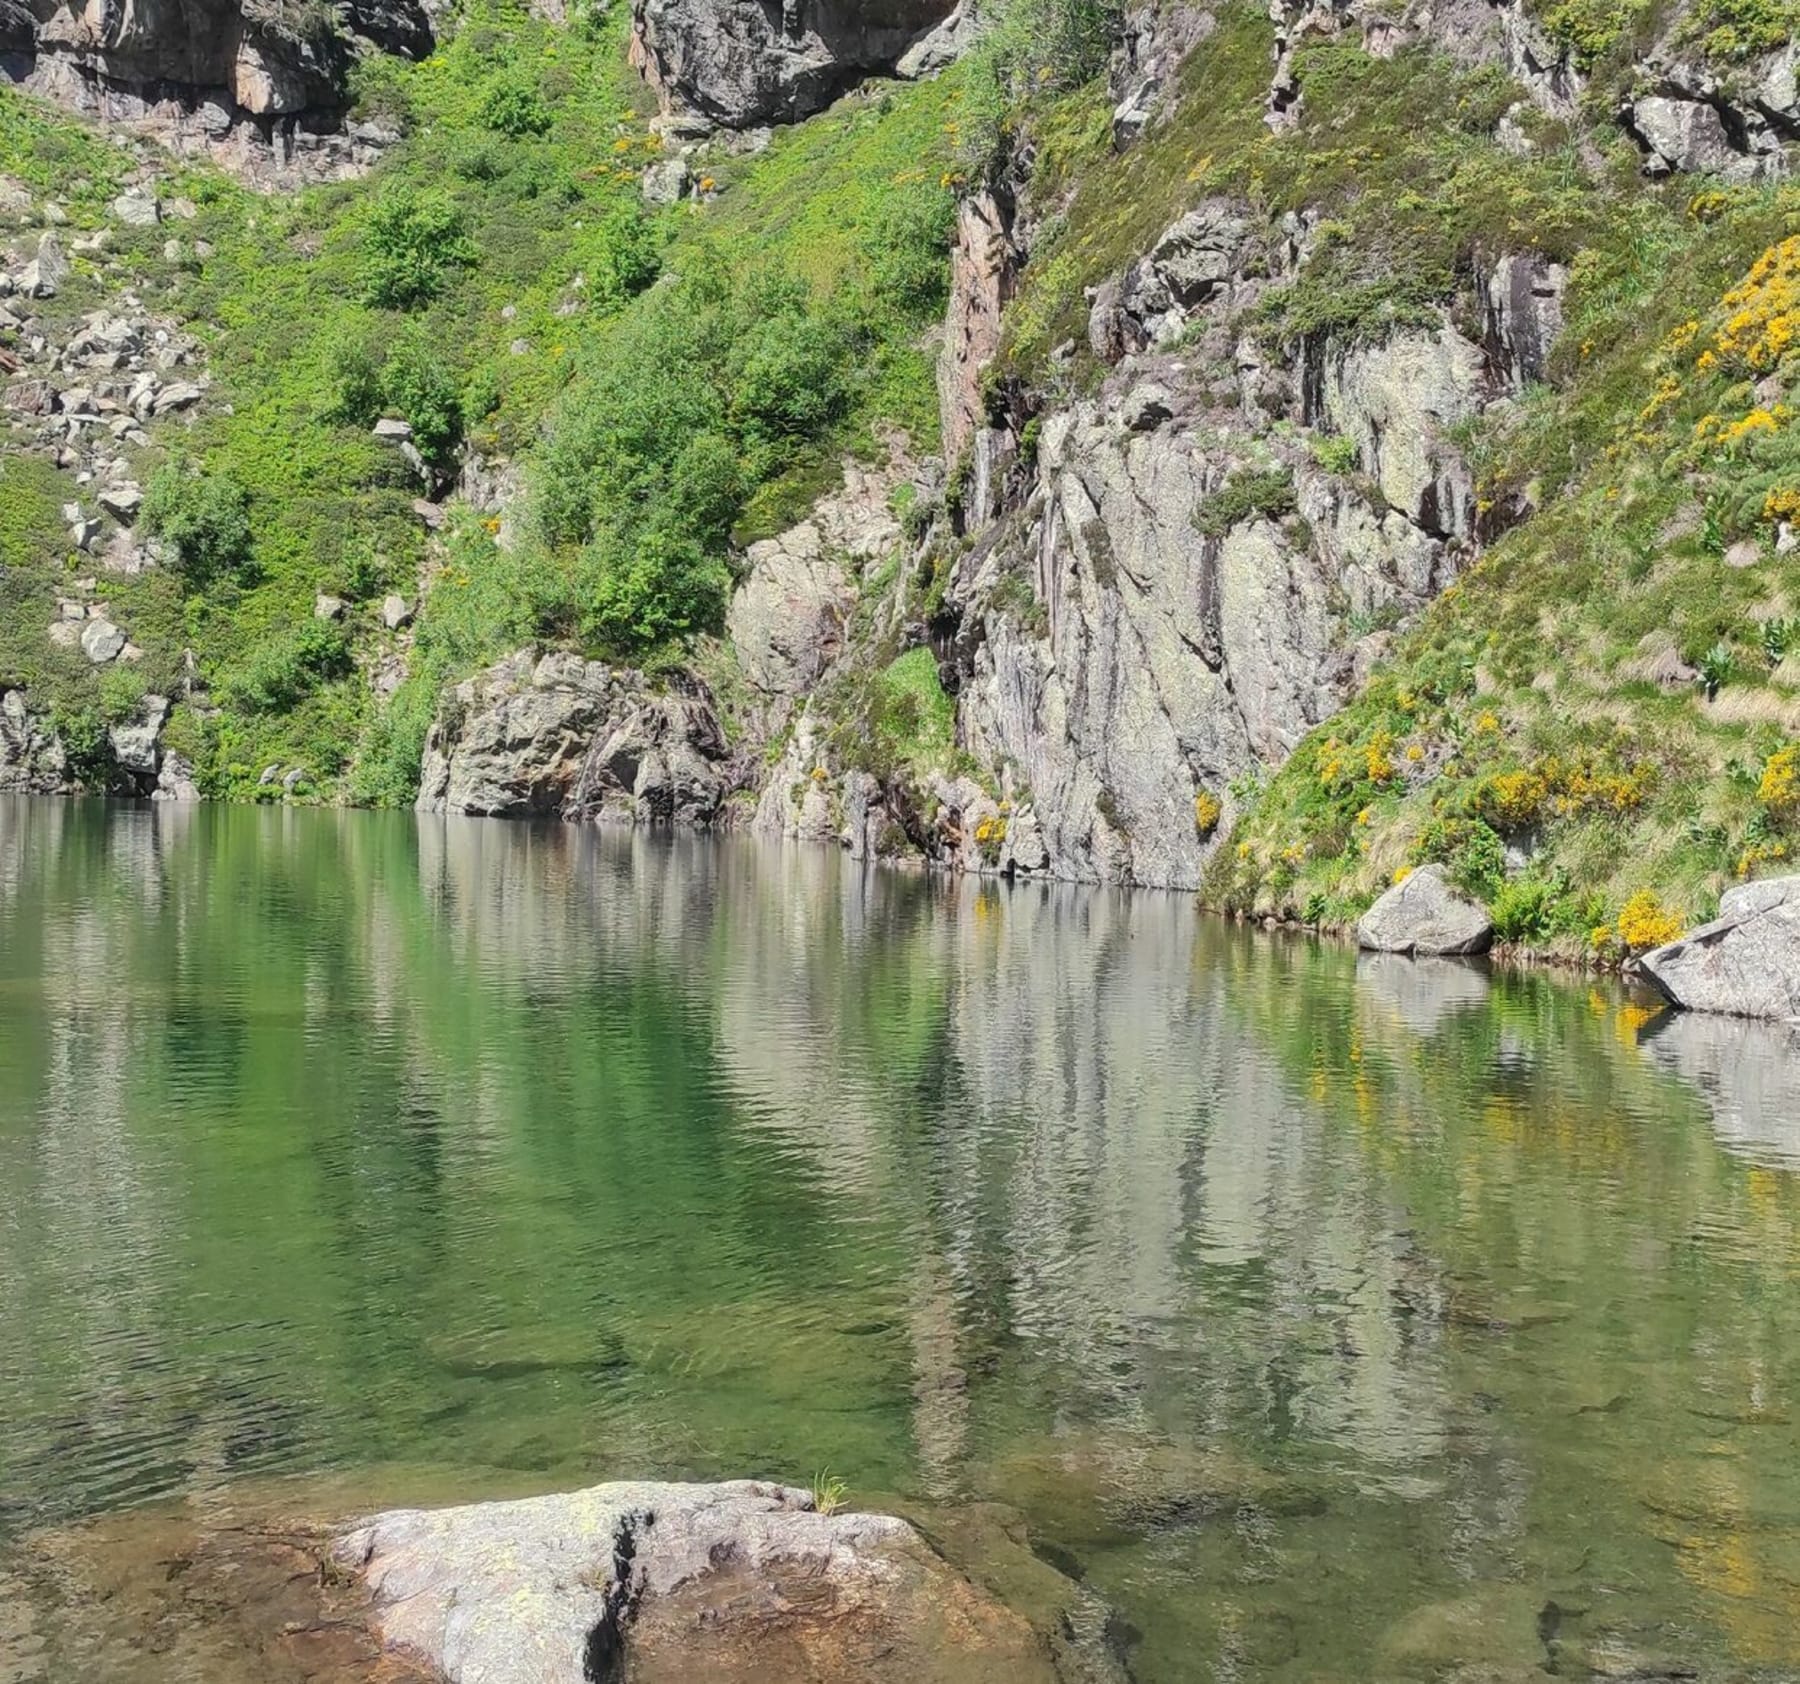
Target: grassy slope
282, 296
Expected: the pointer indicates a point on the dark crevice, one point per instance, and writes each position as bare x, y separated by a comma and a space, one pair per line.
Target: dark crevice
603, 1659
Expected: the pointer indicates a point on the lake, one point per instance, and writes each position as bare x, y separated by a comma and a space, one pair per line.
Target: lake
1329, 1318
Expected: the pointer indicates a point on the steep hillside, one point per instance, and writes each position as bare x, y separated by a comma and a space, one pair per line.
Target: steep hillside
1255, 451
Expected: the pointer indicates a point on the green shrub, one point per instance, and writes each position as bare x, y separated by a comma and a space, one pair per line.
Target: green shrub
412, 243
629, 255
356, 385
1472, 854
649, 588
906, 247
286, 667
513, 107
204, 518
1250, 494
417, 383
1524, 909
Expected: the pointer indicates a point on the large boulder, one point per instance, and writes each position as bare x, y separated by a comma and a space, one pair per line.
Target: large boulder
674, 1584
742, 63
1746, 963
555, 734
1425, 915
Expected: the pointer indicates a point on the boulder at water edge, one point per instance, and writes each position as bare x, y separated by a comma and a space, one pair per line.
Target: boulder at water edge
1425, 915
1745, 963
674, 1584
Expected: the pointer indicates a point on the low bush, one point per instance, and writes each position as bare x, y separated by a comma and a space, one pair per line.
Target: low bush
203, 518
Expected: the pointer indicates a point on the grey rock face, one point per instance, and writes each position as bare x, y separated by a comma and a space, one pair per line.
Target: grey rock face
666, 181
1197, 261
786, 620
1746, 963
1399, 399
1524, 307
1425, 915
665, 1583
1747, 899
32, 758
1123, 662
257, 86
101, 641
558, 735
137, 743
746, 62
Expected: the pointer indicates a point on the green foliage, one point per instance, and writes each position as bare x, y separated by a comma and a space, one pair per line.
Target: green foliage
204, 518
1249, 494
1336, 453
906, 246
649, 585
1471, 852
1592, 28
413, 242
287, 666
1735, 29
513, 107
422, 387
706, 389
629, 255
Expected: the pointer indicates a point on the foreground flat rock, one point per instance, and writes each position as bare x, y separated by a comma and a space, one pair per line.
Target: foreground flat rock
674, 1584
1746, 963
1424, 915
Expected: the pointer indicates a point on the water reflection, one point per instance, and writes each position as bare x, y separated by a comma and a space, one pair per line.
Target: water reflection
1747, 1073
1329, 1314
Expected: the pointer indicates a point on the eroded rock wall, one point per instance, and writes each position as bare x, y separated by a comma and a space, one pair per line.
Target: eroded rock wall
258, 85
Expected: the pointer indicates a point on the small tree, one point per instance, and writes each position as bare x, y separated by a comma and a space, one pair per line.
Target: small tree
204, 518
413, 240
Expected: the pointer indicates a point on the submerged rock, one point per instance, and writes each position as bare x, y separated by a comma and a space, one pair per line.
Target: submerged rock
670, 1582
1746, 963
1425, 915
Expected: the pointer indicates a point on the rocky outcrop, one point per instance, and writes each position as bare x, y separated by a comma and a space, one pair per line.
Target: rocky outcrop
557, 735
1746, 963
741, 63
983, 268
1425, 915
1199, 261
257, 85
33, 760
1522, 302
130, 759
673, 1584
788, 618
1739, 124
1143, 632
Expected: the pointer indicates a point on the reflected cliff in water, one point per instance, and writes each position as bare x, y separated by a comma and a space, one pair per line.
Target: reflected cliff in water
1325, 1314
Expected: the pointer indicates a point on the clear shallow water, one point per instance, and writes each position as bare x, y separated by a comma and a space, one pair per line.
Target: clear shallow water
1335, 1320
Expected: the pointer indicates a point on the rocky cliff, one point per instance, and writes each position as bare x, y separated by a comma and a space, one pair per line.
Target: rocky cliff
259, 84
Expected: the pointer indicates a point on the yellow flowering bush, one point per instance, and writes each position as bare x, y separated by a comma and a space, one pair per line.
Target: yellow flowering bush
1779, 787
1781, 503
1765, 313
1207, 812
1644, 922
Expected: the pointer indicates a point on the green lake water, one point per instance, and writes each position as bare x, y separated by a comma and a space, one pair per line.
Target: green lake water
1331, 1319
